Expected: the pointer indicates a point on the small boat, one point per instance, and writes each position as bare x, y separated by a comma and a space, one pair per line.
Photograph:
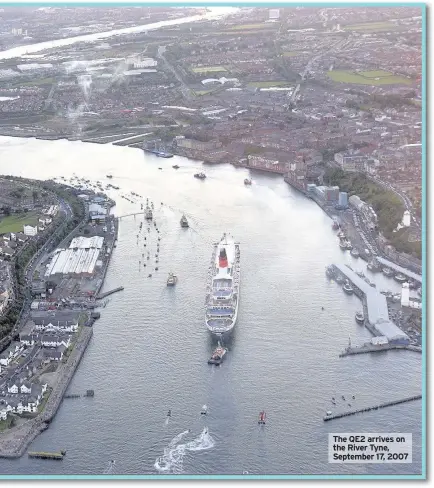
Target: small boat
387, 272
175, 166
218, 355
355, 253
360, 318
156, 269
172, 280
343, 244
343, 398
349, 245
148, 214
360, 274
400, 278
204, 410
109, 176
373, 284
262, 417
328, 413
247, 181
339, 280
150, 275
354, 397
184, 221
335, 225
160, 168
169, 413
348, 288
200, 176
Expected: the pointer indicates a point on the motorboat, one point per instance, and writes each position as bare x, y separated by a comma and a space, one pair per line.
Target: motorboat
262, 418
172, 280
148, 214
354, 252
387, 272
200, 176
400, 278
109, 176
247, 181
348, 288
175, 166
360, 318
184, 221
218, 355
204, 410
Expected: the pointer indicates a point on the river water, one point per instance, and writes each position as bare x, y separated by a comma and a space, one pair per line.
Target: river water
150, 348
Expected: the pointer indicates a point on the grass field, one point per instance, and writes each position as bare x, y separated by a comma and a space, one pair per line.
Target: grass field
14, 223
368, 78
268, 84
208, 69
371, 26
200, 93
251, 26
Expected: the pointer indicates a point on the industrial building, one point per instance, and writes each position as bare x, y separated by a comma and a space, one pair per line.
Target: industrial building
81, 257
376, 304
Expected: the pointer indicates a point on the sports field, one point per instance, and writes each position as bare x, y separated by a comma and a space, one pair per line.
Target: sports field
15, 223
373, 78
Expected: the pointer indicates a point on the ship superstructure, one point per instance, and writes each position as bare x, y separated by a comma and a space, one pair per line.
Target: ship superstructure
223, 287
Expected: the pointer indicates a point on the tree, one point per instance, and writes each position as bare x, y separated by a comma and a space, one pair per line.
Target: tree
35, 195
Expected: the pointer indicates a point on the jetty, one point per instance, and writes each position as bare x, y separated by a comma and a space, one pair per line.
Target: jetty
110, 292
47, 455
368, 347
368, 409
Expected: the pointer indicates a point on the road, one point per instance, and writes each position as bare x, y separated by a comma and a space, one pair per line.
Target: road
184, 88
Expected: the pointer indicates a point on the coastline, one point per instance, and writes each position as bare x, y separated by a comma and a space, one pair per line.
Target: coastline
14, 443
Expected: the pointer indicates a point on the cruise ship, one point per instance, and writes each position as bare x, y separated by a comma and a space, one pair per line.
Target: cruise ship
223, 287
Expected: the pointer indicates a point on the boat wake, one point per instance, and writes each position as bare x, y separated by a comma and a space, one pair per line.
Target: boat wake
173, 457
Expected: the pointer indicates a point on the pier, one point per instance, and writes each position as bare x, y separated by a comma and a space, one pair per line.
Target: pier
366, 348
47, 455
368, 409
110, 292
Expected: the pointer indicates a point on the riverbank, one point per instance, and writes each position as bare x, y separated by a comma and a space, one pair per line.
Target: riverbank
14, 443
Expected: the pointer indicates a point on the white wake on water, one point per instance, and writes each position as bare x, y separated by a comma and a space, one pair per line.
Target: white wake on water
172, 459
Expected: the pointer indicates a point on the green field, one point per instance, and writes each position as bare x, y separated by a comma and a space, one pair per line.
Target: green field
208, 69
371, 26
268, 84
14, 223
291, 54
251, 26
368, 78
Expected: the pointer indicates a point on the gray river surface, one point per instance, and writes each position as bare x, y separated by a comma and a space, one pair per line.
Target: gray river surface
150, 348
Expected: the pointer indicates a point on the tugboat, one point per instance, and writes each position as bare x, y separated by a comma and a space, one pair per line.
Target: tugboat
184, 221
387, 272
400, 278
360, 318
348, 288
148, 214
247, 181
218, 355
354, 252
172, 280
262, 417
200, 176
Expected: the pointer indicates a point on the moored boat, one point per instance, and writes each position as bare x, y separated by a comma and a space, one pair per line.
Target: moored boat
354, 252
348, 288
148, 214
400, 278
387, 272
360, 318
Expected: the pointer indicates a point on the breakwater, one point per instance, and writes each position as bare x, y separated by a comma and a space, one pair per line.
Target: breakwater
366, 348
110, 292
368, 409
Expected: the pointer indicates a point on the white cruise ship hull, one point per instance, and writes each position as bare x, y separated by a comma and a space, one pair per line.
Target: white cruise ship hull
223, 288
